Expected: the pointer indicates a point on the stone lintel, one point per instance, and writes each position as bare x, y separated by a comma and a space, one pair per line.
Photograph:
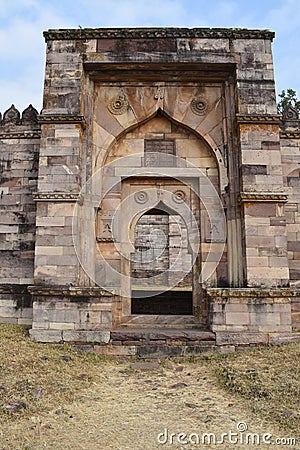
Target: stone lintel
267, 119
62, 118
274, 197
283, 294
65, 291
55, 197
158, 33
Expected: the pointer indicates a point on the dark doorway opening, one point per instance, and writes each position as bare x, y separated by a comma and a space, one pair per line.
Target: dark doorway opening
166, 303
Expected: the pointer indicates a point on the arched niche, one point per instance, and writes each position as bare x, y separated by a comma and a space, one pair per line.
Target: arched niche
197, 151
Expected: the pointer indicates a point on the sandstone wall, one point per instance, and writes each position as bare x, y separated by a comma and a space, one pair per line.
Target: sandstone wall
19, 153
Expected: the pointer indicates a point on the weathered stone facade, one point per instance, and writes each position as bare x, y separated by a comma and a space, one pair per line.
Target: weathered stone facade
158, 189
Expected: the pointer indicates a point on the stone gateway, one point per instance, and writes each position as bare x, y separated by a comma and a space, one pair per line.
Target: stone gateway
153, 206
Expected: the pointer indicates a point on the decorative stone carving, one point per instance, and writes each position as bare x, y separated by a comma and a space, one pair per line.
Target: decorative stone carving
247, 197
295, 134
11, 115
290, 114
36, 134
179, 196
62, 118
118, 105
141, 197
69, 291
104, 220
199, 106
140, 33
57, 196
290, 118
29, 115
269, 119
104, 239
159, 95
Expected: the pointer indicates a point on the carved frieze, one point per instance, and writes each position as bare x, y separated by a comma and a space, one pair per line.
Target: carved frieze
141, 33
20, 135
55, 196
65, 291
287, 134
268, 119
247, 197
62, 118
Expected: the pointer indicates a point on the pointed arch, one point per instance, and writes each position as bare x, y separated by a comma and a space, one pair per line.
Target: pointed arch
207, 140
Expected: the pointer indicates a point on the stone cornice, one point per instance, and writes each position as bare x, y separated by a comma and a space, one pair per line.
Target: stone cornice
36, 134
289, 134
66, 291
248, 197
61, 118
268, 119
13, 289
55, 197
156, 33
255, 293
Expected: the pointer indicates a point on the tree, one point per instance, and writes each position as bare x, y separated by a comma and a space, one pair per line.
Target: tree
288, 99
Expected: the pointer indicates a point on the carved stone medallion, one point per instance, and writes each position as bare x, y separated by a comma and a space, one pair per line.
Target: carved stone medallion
118, 105
179, 196
141, 197
199, 106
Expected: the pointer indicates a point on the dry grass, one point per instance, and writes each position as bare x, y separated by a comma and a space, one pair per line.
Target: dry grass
55, 397
269, 379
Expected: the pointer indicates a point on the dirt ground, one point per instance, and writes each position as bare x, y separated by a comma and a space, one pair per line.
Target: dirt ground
127, 408
55, 397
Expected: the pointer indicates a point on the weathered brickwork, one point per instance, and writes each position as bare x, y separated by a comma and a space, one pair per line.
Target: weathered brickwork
158, 163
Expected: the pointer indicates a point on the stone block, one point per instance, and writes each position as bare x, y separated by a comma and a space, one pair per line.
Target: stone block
99, 336
50, 221
53, 336
283, 338
237, 318
24, 322
61, 325
115, 350
235, 338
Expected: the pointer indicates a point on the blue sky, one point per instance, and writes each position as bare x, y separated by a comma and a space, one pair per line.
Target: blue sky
22, 47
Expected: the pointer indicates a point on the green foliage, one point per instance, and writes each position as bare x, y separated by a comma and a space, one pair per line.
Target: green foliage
288, 99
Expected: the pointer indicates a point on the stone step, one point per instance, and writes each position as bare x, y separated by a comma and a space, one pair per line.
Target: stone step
155, 334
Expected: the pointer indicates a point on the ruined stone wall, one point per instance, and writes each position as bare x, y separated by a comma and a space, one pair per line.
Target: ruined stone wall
19, 152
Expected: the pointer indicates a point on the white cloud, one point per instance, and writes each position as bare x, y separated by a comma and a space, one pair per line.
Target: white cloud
22, 48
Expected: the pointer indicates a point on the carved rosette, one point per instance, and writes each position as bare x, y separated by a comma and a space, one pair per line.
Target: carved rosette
178, 196
118, 105
141, 197
199, 106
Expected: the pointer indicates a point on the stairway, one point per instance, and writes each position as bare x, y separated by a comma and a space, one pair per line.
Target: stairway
155, 343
